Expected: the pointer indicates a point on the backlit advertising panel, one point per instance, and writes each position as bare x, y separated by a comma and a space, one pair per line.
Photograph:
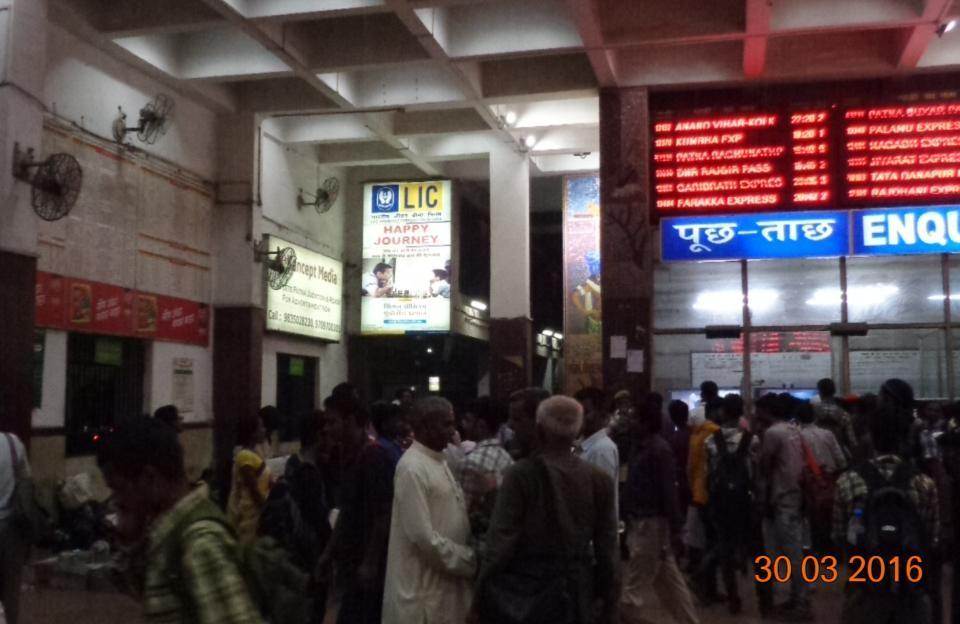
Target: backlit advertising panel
311, 302
406, 272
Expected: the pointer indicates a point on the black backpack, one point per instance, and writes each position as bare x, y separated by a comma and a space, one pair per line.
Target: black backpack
282, 518
892, 523
729, 487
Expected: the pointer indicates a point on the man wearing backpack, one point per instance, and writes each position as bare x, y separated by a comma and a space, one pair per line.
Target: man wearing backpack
730, 489
781, 468
887, 508
193, 572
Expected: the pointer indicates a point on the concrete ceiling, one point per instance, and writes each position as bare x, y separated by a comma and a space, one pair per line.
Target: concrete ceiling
431, 83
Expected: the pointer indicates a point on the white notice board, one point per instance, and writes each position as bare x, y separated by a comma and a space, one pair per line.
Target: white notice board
869, 369
768, 370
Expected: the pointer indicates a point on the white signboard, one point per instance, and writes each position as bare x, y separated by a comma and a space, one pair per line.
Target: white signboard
869, 369
407, 275
310, 304
767, 370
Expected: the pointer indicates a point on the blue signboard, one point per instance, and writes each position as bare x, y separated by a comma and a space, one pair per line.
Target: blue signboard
756, 236
899, 231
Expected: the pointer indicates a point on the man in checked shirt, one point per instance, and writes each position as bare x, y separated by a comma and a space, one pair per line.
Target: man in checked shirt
875, 603
192, 572
481, 471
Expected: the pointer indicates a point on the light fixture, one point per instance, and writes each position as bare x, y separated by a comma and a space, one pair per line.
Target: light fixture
547, 332
530, 141
510, 118
946, 27
478, 305
942, 297
429, 349
874, 294
732, 300
558, 336
433, 384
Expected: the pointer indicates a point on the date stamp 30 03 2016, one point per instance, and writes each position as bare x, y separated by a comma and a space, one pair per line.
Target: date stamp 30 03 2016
874, 570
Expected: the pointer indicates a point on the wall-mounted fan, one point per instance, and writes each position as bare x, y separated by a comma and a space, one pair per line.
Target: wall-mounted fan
154, 119
280, 264
324, 198
55, 182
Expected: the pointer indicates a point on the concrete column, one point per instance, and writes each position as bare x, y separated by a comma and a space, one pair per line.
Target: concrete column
238, 324
627, 237
510, 326
23, 36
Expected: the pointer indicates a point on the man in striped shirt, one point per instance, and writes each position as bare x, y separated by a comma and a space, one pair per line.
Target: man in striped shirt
192, 572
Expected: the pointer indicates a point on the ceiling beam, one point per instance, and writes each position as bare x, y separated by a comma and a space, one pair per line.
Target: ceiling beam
588, 25
755, 44
919, 38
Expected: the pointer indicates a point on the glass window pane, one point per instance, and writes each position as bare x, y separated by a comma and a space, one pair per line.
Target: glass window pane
697, 294
915, 355
674, 358
900, 289
793, 292
954, 262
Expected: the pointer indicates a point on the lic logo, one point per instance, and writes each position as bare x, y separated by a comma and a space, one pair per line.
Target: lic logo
385, 198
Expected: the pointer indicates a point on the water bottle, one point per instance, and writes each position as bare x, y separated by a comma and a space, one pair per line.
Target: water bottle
856, 528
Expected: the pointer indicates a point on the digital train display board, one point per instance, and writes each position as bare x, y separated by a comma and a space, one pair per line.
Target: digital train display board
763, 161
780, 158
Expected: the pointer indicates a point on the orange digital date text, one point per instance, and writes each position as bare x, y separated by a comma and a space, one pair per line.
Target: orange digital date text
873, 569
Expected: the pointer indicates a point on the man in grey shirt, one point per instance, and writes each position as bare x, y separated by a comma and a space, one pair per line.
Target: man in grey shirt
781, 460
596, 447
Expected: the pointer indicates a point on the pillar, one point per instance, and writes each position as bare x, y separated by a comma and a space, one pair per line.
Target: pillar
510, 326
238, 319
627, 237
23, 36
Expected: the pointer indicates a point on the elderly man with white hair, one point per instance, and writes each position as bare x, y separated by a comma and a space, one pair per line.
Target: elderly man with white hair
552, 544
429, 564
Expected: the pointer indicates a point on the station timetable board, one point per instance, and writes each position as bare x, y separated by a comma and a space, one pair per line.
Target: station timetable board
782, 157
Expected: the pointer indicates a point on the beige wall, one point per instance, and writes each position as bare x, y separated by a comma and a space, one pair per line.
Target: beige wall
49, 462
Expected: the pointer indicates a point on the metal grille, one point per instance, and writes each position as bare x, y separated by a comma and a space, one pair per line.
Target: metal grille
99, 395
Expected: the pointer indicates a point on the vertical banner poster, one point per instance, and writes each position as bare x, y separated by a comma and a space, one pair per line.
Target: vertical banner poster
406, 257
582, 330
183, 384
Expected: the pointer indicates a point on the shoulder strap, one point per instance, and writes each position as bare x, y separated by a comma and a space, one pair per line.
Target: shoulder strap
744, 447
551, 495
808, 457
870, 475
720, 441
14, 457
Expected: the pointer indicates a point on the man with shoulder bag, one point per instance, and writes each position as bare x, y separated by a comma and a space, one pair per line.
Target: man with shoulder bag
16, 497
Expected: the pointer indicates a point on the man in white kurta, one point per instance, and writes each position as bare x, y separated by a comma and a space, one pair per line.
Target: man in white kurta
430, 568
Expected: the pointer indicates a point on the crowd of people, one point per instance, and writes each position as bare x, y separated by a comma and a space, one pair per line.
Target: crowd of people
568, 510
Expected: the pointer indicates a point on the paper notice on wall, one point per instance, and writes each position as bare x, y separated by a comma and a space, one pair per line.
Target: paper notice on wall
618, 347
183, 384
635, 360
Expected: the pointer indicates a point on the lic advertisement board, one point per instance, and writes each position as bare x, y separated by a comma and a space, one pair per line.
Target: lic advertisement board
406, 273
311, 302
874, 232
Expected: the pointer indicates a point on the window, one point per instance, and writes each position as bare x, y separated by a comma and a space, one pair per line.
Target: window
915, 355
900, 289
697, 295
296, 392
104, 387
798, 292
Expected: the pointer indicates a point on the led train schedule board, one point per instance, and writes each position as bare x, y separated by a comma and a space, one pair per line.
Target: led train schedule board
901, 154
759, 161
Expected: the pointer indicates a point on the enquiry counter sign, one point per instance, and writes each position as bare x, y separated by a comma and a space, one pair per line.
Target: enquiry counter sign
899, 231
407, 274
771, 235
